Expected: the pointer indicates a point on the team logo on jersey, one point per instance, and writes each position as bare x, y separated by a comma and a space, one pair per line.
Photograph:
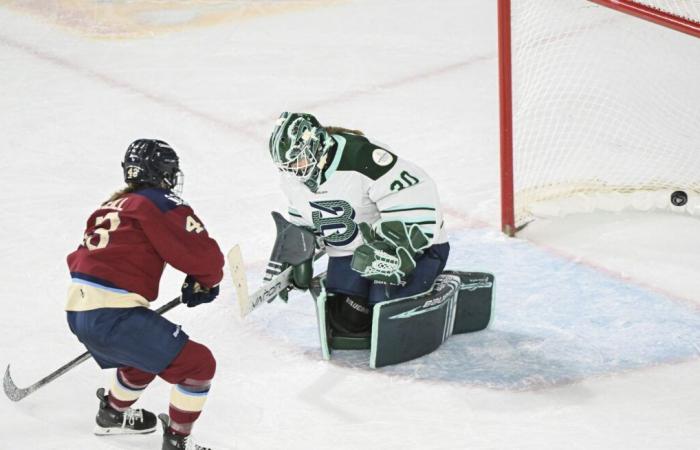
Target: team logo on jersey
334, 219
381, 157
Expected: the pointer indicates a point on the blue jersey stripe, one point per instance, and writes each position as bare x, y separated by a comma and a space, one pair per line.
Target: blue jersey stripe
81, 278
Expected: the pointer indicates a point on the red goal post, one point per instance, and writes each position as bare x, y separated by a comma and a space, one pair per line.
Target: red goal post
581, 87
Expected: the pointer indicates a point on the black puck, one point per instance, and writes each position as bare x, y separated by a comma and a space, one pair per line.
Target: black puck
679, 198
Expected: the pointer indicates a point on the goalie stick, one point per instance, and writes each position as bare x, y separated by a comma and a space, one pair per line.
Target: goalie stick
16, 394
265, 293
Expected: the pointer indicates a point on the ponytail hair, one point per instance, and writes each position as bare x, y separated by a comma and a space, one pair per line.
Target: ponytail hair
129, 188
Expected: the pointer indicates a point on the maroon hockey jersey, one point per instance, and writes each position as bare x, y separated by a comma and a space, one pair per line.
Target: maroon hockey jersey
128, 241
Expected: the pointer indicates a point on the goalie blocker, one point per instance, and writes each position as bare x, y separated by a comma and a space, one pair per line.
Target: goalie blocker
407, 328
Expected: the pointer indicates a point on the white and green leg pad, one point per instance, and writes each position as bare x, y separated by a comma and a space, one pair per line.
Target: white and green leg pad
318, 292
410, 327
475, 303
330, 338
404, 329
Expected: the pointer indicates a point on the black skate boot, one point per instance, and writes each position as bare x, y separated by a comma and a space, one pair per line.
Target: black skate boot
131, 421
174, 441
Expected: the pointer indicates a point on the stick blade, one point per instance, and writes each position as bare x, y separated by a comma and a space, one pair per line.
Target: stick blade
235, 263
11, 390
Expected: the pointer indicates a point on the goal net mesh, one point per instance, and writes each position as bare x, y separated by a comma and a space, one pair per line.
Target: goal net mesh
606, 108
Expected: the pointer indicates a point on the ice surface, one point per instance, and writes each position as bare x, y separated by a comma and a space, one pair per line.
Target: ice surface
596, 337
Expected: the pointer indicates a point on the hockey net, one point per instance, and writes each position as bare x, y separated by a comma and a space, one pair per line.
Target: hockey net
599, 109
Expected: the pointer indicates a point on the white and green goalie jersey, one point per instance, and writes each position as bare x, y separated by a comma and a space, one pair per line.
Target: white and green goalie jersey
364, 182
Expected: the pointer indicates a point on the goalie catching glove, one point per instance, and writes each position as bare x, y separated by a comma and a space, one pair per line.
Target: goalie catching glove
388, 254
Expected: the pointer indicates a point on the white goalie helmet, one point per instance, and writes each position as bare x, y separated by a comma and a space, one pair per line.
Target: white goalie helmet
297, 146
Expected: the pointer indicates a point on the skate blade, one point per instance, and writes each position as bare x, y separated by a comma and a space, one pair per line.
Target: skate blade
102, 431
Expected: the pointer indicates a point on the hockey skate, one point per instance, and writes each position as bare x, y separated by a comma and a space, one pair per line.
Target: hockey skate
132, 421
174, 441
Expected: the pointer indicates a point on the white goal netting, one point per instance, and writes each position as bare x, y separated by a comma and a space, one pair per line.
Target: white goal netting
606, 108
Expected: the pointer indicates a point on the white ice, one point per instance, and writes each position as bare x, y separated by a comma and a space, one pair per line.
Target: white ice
596, 337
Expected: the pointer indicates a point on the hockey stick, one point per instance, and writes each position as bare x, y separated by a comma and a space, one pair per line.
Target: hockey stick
265, 293
16, 394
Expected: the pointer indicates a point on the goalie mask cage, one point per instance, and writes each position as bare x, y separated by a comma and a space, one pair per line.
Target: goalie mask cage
599, 108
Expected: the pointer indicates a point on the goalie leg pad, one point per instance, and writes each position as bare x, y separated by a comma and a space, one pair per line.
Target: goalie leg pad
318, 292
475, 303
406, 328
331, 335
410, 327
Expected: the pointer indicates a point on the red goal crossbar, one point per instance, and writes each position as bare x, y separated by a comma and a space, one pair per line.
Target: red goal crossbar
653, 15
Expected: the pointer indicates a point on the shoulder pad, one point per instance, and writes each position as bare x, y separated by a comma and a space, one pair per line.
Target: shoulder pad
361, 155
163, 199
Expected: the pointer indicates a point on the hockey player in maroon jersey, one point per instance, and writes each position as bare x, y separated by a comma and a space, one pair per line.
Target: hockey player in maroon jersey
115, 274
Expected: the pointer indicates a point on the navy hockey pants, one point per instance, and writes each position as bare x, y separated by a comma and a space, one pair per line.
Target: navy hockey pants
134, 337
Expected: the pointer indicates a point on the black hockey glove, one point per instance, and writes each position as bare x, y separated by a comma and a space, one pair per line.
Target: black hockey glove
388, 254
194, 294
